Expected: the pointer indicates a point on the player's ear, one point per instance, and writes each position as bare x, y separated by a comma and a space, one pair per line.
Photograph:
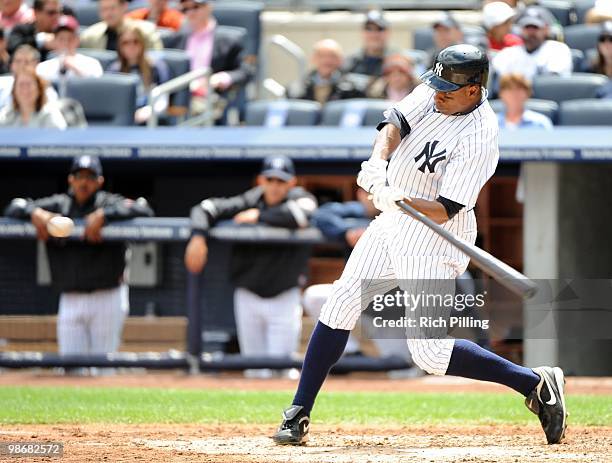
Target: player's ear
70, 179
293, 182
260, 180
100, 181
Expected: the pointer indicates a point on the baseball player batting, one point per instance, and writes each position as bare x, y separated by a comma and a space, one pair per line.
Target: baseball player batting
435, 149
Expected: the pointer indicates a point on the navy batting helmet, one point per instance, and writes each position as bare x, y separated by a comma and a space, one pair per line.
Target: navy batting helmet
457, 66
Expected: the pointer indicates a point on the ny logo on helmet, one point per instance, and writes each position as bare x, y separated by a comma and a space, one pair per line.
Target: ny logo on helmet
431, 157
438, 69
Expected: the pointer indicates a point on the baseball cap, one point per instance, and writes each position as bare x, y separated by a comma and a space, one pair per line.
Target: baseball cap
376, 17
496, 13
88, 162
446, 20
606, 29
67, 23
280, 167
534, 16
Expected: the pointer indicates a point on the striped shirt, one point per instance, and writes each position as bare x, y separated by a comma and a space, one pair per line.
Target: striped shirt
449, 156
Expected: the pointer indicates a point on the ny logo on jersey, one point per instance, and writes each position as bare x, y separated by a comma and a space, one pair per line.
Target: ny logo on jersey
431, 157
438, 69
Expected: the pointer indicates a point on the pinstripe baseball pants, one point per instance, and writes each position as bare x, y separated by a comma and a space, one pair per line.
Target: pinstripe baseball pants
398, 250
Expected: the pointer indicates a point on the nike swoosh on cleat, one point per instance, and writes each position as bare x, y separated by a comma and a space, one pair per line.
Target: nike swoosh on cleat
306, 426
553, 399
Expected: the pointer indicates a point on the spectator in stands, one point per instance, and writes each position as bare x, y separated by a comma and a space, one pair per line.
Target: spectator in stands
104, 35
159, 14
267, 298
14, 12
514, 91
602, 62
537, 55
497, 19
133, 60
326, 82
446, 32
398, 79
68, 63
601, 12
39, 33
25, 58
369, 60
4, 56
88, 273
216, 47
29, 106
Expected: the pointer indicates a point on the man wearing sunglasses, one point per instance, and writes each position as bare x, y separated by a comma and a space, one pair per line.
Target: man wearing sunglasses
39, 33
88, 273
369, 60
537, 55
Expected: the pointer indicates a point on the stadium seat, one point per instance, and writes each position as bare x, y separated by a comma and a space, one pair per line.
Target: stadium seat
169, 37
280, 113
106, 57
179, 63
106, 100
242, 14
586, 112
549, 108
558, 88
354, 112
86, 13
582, 36
423, 36
577, 60
563, 10
582, 6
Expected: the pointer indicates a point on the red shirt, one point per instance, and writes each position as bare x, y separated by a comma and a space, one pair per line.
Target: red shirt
171, 19
509, 41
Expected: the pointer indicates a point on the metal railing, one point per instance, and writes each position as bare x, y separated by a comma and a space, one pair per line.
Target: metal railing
295, 52
176, 84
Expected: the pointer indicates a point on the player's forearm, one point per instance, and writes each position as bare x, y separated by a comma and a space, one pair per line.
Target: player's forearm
387, 140
432, 209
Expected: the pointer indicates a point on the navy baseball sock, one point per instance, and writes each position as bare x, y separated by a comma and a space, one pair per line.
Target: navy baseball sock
325, 347
472, 361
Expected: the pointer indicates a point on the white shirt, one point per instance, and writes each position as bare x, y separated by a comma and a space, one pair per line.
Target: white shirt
87, 66
551, 58
449, 156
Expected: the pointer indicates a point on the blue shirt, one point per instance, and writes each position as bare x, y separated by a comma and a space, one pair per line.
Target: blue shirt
530, 120
335, 219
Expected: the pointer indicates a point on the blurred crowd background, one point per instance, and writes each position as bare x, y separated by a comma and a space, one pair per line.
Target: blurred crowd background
106, 62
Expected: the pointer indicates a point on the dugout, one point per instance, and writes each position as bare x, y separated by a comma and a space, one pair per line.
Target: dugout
560, 233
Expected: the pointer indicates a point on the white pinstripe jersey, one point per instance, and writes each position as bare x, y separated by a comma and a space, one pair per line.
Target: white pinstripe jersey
449, 156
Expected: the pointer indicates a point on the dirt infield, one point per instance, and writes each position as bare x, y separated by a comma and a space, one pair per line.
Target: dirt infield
346, 443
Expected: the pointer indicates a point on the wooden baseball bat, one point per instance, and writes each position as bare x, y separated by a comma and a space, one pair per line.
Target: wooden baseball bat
512, 279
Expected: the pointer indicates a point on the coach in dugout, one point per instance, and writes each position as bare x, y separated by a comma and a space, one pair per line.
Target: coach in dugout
267, 298
89, 273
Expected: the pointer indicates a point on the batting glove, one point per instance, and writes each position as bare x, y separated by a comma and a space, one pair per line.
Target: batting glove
373, 174
385, 198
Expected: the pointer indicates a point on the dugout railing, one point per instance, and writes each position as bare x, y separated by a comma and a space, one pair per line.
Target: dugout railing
193, 357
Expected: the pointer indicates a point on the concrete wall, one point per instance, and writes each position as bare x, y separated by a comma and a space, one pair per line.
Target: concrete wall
567, 235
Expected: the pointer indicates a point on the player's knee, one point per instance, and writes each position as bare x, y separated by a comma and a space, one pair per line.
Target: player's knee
428, 356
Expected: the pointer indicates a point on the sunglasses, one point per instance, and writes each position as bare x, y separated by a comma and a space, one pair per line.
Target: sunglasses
130, 42
373, 29
187, 9
52, 12
605, 38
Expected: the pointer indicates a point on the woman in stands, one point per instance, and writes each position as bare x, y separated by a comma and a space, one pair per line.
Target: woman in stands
602, 64
398, 79
29, 106
134, 60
